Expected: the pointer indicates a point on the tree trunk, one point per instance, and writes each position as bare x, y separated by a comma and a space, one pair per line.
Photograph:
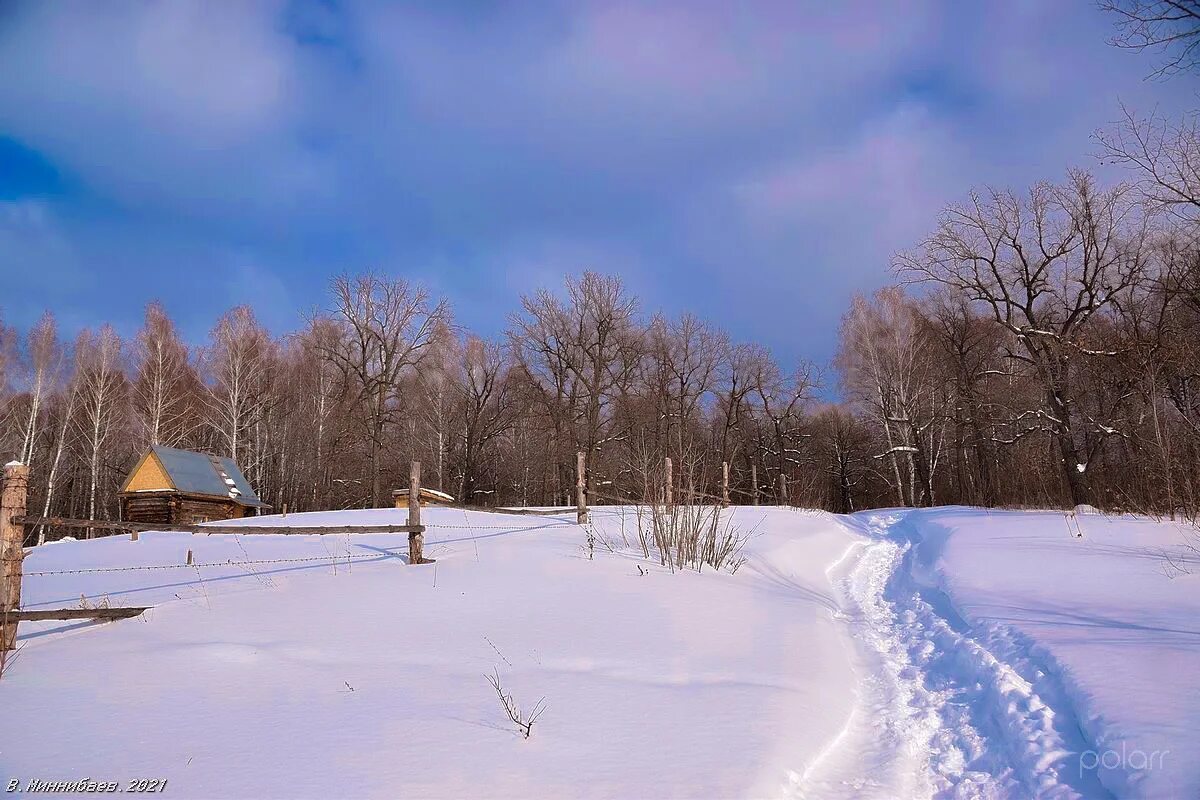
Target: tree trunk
1076, 471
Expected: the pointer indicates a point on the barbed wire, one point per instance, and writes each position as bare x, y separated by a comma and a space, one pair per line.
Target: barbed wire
498, 527
327, 559
332, 560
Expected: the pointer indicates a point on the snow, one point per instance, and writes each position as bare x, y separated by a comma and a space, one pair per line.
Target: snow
1112, 643
302, 679
934, 653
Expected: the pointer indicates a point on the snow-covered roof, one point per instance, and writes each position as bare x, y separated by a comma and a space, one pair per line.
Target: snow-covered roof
426, 492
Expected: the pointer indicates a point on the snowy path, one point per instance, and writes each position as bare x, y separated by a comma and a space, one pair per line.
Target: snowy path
832, 665
943, 711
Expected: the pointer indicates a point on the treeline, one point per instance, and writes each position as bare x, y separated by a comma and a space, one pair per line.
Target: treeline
1050, 356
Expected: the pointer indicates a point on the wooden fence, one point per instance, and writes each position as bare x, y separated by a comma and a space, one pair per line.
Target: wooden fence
668, 489
13, 521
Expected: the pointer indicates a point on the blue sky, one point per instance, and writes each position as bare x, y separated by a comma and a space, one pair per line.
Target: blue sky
754, 162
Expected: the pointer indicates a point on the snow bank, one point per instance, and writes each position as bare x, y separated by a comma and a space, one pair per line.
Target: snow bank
1091, 622
337, 670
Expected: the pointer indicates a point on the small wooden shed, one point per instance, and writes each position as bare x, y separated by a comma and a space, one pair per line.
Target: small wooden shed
180, 487
427, 497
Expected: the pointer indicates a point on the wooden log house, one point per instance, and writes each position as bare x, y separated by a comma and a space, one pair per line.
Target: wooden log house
179, 487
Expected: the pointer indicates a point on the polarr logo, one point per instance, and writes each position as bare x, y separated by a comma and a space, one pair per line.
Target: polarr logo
1136, 760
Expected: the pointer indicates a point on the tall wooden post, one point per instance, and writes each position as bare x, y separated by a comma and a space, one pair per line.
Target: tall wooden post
12, 548
754, 482
725, 483
669, 496
581, 510
783, 494
416, 541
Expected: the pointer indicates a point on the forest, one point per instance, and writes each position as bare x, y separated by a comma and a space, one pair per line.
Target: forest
1039, 348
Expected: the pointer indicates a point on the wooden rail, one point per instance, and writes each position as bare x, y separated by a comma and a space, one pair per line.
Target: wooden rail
112, 525
521, 512
75, 613
13, 521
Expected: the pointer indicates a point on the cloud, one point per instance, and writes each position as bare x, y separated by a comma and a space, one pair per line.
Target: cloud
189, 103
877, 192
756, 163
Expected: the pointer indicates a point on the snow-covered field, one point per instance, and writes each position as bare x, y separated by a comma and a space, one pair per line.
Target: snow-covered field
951, 652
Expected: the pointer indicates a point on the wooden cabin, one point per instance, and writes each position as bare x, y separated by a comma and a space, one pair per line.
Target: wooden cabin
178, 487
427, 497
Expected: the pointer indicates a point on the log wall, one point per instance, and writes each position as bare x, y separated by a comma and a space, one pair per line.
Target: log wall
170, 508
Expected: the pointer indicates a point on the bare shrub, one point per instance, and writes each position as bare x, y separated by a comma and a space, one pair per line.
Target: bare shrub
684, 528
687, 536
1183, 560
523, 722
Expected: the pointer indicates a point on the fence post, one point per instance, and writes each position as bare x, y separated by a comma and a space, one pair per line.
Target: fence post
12, 548
669, 497
754, 482
783, 494
725, 483
581, 509
416, 541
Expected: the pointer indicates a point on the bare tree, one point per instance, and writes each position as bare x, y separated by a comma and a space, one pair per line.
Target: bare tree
44, 356
1164, 156
883, 358
686, 354
387, 326
318, 389
781, 400
1171, 27
101, 386
1044, 266
578, 355
487, 409
164, 382
238, 361
436, 409
968, 354
66, 423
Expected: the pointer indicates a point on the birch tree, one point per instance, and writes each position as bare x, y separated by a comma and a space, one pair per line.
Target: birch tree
101, 387
163, 382
882, 354
66, 423
44, 361
237, 362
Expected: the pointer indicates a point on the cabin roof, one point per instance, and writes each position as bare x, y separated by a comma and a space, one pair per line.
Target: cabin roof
197, 473
425, 491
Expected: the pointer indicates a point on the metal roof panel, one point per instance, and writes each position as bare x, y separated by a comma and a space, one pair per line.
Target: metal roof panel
196, 473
